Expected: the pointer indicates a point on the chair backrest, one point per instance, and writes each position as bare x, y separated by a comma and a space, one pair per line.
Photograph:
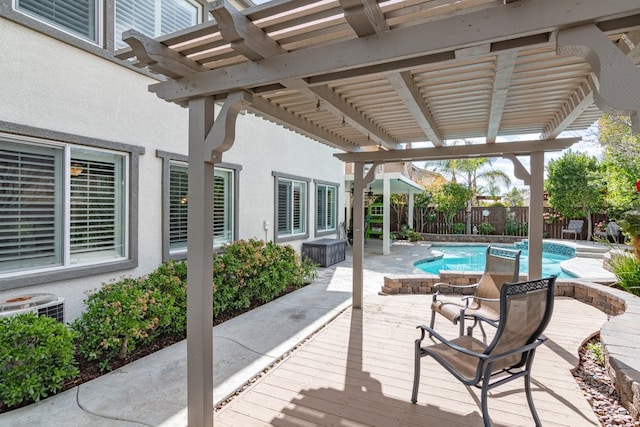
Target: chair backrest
575, 224
502, 265
525, 312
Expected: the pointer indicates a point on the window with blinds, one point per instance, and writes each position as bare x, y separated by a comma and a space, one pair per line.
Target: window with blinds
30, 203
60, 206
79, 17
291, 207
178, 207
154, 17
96, 206
326, 207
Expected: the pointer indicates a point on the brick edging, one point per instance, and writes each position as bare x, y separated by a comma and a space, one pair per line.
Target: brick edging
620, 336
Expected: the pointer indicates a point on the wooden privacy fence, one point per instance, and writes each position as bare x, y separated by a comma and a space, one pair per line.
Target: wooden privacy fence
506, 221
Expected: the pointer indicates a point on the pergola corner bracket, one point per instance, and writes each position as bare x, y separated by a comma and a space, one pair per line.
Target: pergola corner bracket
223, 132
617, 77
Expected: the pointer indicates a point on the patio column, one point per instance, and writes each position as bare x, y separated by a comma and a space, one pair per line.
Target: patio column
410, 207
386, 218
207, 141
358, 234
535, 214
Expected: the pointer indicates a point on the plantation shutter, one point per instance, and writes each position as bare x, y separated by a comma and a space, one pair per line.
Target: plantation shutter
177, 15
299, 207
178, 206
321, 207
30, 205
284, 207
76, 16
96, 206
153, 17
135, 14
221, 207
331, 208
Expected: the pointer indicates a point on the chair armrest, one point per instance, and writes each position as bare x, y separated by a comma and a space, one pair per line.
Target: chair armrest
424, 329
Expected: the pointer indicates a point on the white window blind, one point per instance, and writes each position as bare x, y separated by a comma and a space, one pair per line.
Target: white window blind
96, 222
79, 17
30, 206
178, 206
326, 207
154, 17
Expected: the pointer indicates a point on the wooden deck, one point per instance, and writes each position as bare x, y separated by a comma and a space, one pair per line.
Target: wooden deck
358, 371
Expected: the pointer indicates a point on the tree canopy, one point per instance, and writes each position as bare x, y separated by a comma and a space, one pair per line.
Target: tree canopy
575, 186
449, 198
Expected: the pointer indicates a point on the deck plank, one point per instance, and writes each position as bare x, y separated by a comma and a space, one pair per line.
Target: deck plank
358, 371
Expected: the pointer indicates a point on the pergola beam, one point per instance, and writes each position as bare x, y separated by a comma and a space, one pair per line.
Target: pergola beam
505, 62
518, 148
507, 22
158, 57
410, 94
579, 101
364, 16
298, 124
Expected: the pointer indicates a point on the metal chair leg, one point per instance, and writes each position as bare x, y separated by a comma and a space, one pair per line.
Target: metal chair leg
416, 372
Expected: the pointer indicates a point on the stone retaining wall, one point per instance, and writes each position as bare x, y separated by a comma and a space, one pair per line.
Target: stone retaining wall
620, 336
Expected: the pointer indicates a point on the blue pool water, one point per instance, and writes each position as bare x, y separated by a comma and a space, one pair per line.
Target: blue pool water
472, 258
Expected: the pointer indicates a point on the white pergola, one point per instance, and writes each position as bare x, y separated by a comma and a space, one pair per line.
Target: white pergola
370, 77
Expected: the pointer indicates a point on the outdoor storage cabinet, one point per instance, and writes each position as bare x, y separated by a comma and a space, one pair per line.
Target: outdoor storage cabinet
325, 252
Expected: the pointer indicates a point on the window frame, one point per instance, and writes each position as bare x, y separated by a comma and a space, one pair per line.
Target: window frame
98, 18
66, 272
323, 232
292, 178
174, 158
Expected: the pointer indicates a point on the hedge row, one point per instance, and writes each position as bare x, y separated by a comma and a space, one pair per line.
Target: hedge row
38, 355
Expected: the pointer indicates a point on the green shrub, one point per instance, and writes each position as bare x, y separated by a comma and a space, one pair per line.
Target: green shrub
121, 316
485, 228
596, 351
627, 270
170, 278
36, 357
407, 233
459, 228
248, 270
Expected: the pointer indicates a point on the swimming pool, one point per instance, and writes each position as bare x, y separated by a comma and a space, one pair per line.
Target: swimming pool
472, 258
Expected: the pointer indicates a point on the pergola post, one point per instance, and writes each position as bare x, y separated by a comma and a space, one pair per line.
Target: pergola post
535, 214
386, 212
358, 234
200, 267
207, 141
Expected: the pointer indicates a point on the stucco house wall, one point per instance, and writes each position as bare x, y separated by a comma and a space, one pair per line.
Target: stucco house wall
53, 89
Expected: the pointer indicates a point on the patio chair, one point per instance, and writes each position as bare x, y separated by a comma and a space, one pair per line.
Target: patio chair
525, 311
574, 227
501, 266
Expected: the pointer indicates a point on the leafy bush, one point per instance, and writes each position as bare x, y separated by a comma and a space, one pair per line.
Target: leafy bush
36, 357
121, 316
459, 228
627, 270
171, 279
486, 228
407, 233
248, 270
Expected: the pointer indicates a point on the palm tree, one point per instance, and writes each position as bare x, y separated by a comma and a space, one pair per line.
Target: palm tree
471, 171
